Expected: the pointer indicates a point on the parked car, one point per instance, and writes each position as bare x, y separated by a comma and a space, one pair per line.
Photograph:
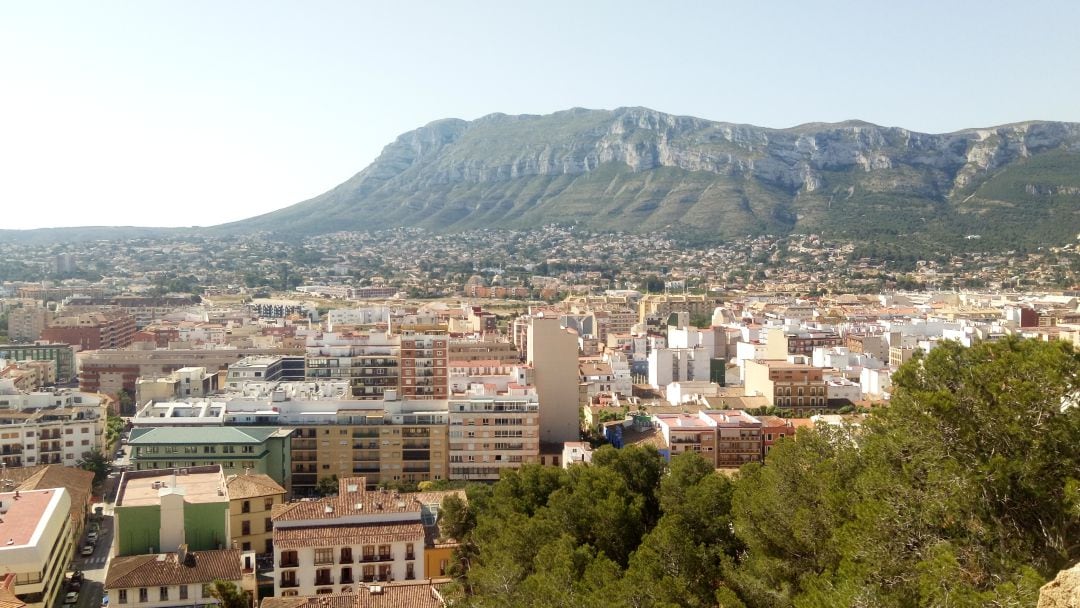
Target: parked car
105, 600
92, 536
72, 597
87, 550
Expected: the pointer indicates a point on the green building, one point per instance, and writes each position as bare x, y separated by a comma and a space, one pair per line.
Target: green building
263, 450
158, 511
61, 354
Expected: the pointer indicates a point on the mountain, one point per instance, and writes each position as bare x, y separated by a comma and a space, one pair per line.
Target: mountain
638, 169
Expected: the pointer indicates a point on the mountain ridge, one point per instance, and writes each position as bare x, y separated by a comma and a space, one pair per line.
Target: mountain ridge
639, 169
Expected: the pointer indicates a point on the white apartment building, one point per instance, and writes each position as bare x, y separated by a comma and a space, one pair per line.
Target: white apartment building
49, 427
37, 543
336, 544
667, 365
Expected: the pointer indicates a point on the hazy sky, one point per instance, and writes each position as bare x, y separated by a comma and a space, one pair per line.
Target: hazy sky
196, 113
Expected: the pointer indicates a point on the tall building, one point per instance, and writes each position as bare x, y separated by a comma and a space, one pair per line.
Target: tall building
38, 543
369, 361
553, 354
491, 431
25, 324
424, 358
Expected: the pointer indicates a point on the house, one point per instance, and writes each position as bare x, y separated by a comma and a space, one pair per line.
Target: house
252, 498
177, 579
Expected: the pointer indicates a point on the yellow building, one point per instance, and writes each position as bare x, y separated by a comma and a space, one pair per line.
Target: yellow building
251, 498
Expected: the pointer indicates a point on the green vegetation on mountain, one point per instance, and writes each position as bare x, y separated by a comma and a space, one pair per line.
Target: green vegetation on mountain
641, 170
965, 491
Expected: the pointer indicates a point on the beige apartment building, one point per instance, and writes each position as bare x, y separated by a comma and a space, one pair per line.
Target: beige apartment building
659, 306
252, 497
795, 386
553, 355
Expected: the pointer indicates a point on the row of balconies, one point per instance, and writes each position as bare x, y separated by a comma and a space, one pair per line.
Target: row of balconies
347, 559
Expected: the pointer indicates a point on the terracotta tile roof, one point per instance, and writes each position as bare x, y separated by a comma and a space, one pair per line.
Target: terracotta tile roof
252, 486
355, 534
166, 569
7, 596
353, 499
422, 594
77, 482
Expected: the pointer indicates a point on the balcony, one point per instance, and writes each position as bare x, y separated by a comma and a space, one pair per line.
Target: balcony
347, 579
377, 557
289, 562
286, 583
346, 558
409, 555
324, 580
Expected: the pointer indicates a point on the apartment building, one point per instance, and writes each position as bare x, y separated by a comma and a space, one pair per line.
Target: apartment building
38, 543
337, 544
795, 386
783, 341
725, 438
26, 323
553, 354
658, 307
369, 361
265, 368
485, 349
424, 357
92, 331
183, 383
773, 429
667, 365
252, 498
684, 432
491, 431
28, 375
49, 427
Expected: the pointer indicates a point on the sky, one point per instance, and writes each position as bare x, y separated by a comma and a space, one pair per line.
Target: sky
152, 113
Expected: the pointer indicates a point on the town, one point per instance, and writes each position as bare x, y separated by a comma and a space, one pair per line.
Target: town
202, 421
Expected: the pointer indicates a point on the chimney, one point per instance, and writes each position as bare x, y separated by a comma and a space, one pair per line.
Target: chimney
181, 553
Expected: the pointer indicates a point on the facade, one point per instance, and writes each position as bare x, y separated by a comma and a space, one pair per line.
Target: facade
38, 543
176, 579
336, 544
782, 341
91, 331
486, 349
165, 510
263, 450
251, 501
667, 365
493, 432
25, 324
725, 438
659, 306
424, 358
50, 427
553, 354
63, 355
368, 361
795, 386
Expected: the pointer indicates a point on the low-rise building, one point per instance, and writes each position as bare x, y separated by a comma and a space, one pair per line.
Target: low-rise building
264, 450
251, 501
177, 579
338, 543
37, 545
795, 386
160, 511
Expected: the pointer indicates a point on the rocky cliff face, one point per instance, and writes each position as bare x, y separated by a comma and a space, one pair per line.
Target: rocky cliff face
639, 168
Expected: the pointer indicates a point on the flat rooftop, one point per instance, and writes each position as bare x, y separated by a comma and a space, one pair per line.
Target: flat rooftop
24, 515
200, 485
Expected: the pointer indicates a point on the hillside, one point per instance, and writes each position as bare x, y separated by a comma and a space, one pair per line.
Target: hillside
638, 169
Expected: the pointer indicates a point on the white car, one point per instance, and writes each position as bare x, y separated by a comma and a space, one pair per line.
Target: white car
72, 597
87, 550
91, 537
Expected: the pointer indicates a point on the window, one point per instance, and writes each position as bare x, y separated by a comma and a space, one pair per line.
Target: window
163, 594
268, 525
123, 596
144, 595
245, 527
245, 508
246, 547
324, 555
268, 504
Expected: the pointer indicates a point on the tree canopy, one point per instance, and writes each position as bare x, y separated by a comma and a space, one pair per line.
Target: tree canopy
964, 491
